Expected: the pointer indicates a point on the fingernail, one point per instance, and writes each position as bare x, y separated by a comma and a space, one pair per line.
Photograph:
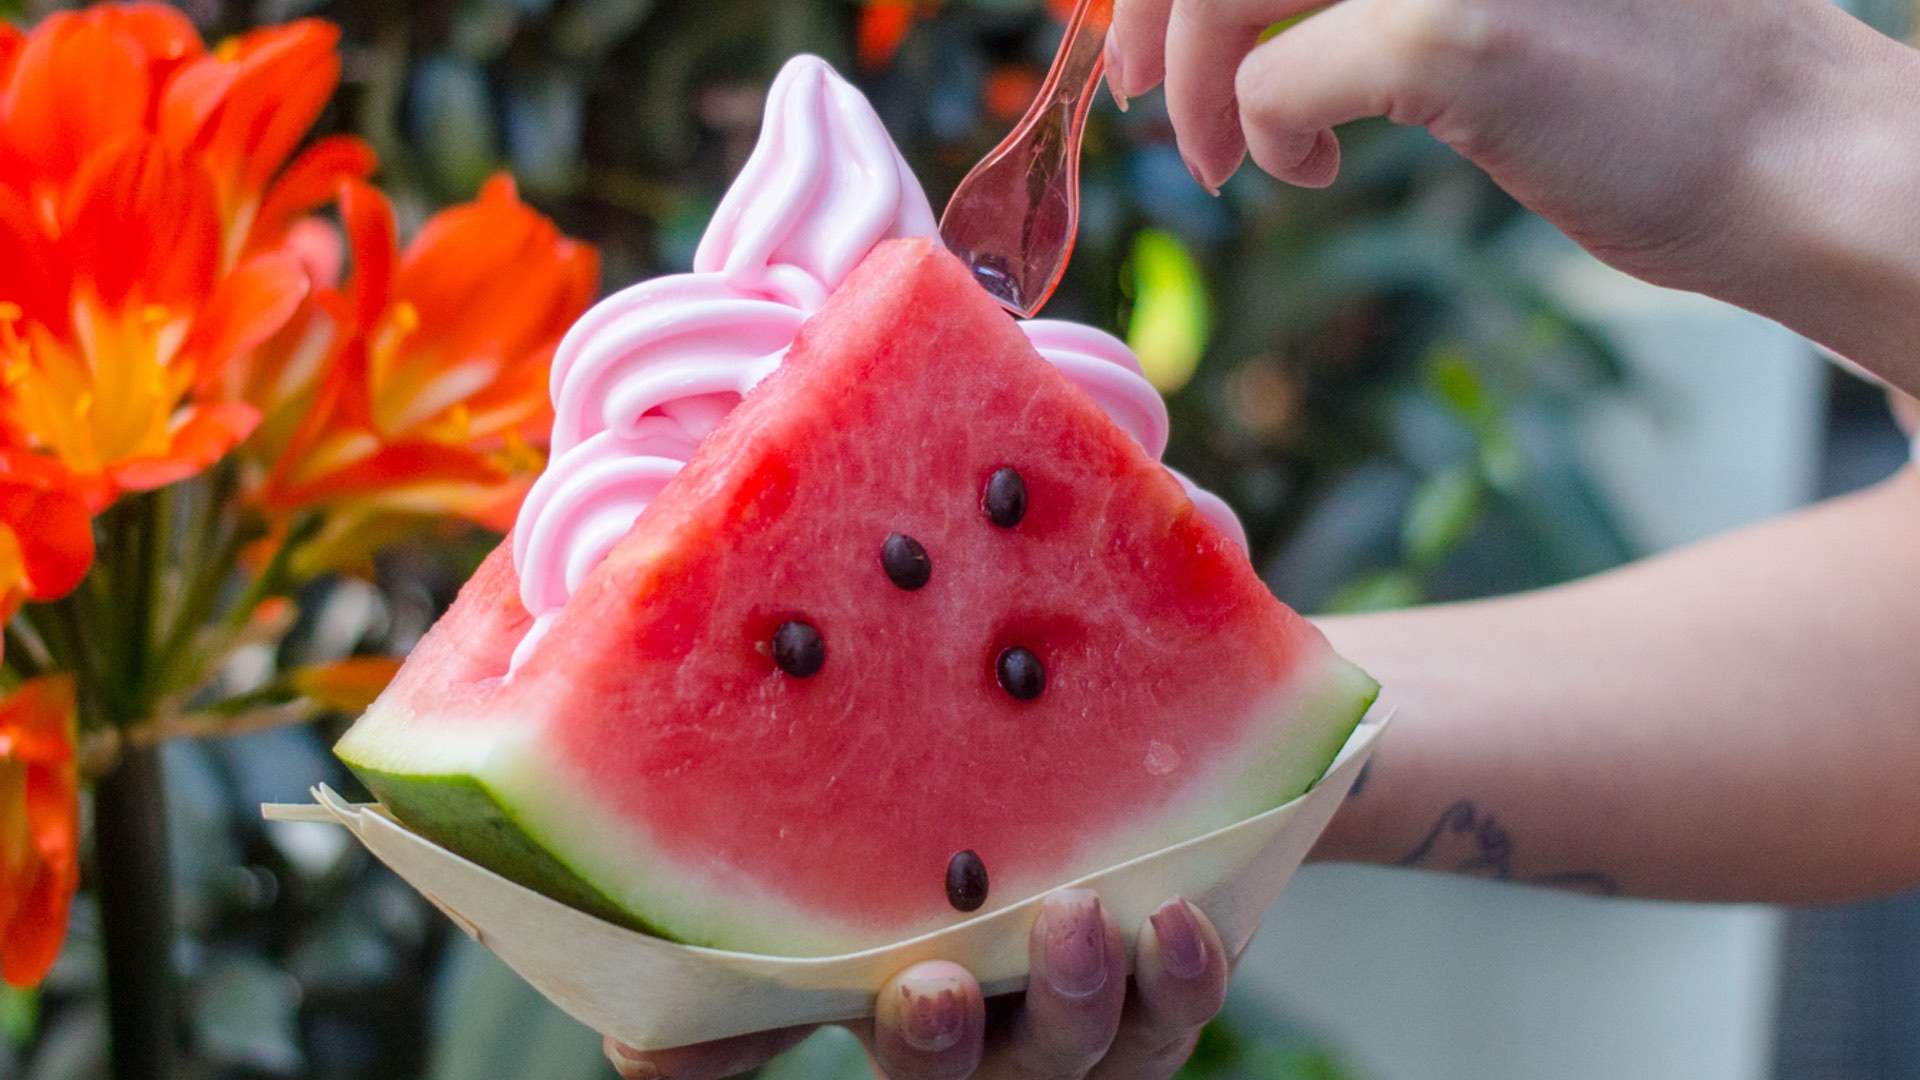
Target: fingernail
933, 1017
1182, 952
1194, 171
631, 1067
1114, 77
1076, 943
1301, 148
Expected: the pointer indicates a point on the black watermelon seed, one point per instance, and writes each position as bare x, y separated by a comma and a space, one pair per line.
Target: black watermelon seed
966, 881
1005, 499
797, 648
905, 561
1020, 673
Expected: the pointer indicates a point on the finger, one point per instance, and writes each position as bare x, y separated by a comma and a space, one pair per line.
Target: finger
1342, 64
1137, 46
1180, 982
1206, 40
706, 1061
929, 1022
1078, 960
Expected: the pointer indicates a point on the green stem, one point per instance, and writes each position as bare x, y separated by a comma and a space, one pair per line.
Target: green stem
136, 916
273, 579
61, 626
111, 625
25, 652
140, 590
211, 519
212, 551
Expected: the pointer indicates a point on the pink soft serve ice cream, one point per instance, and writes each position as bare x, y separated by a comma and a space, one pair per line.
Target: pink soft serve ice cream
648, 372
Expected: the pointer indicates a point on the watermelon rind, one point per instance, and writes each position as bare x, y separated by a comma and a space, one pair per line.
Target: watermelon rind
508, 810
654, 994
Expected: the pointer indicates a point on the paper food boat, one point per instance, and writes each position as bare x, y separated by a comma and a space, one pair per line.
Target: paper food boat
652, 993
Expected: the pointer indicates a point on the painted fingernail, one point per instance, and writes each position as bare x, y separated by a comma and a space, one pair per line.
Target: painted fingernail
933, 1019
1182, 953
1194, 171
1076, 943
1115, 79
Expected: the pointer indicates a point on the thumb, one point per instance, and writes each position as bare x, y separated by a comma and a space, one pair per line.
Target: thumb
704, 1061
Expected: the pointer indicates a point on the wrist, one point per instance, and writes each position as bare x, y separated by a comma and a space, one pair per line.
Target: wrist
1829, 191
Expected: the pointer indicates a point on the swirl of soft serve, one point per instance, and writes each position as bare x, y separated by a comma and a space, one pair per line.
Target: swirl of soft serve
645, 374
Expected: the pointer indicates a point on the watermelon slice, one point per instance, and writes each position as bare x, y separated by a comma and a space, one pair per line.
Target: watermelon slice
917, 633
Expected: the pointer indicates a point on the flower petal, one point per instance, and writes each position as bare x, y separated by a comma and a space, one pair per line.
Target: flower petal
246, 106
249, 306
203, 436
41, 863
144, 226
883, 27
394, 466
77, 83
54, 534
32, 276
37, 721
191, 99
39, 924
310, 182
371, 233
165, 35
11, 42
348, 685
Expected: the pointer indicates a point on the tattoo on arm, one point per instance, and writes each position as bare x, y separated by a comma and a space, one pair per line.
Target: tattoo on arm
1466, 840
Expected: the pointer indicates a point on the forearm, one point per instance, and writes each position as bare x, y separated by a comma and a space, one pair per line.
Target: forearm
1826, 233
1737, 720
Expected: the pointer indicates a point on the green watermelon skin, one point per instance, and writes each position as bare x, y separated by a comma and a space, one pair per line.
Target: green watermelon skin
651, 764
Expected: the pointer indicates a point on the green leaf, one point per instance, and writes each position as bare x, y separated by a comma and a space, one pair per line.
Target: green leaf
1458, 385
453, 117
1294, 1063
589, 29
1501, 462
1382, 590
1276, 29
482, 29
1219, 1047
544, 115
1443, 509
1172, 314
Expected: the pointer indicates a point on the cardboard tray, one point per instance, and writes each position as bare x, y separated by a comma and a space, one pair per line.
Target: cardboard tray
652, 993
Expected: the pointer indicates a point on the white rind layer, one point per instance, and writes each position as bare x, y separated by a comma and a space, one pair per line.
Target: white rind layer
1283, 755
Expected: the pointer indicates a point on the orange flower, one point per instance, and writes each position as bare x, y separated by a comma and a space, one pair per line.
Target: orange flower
1009, 90
84, 80
884, 24
434, 395
243, 108
109, 323
883, 27
46, 540
39, 826
143, 224
348, 685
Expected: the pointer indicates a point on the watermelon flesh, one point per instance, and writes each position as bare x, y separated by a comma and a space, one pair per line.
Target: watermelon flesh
652, 762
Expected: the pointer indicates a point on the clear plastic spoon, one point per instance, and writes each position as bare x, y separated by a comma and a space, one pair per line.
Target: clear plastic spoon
1012, 220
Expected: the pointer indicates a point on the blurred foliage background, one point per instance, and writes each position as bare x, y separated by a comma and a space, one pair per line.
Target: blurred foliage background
1364, 373
1360, 372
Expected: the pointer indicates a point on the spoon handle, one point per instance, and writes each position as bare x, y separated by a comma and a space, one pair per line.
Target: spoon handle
1013, 218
